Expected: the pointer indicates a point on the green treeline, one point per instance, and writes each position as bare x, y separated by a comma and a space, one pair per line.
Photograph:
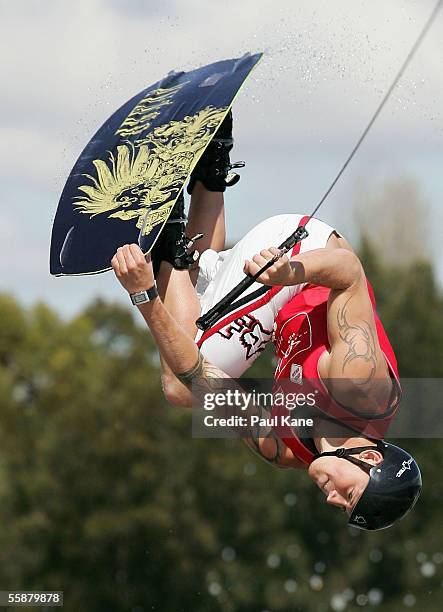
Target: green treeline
106, 496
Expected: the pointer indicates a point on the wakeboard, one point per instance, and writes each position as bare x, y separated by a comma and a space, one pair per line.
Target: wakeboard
126, 181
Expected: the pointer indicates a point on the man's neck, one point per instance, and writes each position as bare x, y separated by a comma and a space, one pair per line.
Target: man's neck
328, 444
329, 435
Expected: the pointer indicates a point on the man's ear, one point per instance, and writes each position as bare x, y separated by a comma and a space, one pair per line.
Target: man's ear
374, 456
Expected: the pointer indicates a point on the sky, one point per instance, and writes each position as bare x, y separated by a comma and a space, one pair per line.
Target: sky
325, 69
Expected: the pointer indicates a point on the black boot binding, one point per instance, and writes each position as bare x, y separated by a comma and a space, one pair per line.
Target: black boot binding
173, 245
214, 166
214, 171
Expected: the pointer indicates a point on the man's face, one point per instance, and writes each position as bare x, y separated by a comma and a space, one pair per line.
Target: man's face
341, 481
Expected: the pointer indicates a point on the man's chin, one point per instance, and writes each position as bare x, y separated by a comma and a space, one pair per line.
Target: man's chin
316, 471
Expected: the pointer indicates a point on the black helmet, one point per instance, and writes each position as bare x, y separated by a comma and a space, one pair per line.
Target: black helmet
393, 488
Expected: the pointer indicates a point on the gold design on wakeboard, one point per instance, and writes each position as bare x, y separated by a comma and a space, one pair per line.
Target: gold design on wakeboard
139, 119
150, 172
155, 217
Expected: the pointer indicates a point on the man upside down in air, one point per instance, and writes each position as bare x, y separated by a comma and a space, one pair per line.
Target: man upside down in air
320, 314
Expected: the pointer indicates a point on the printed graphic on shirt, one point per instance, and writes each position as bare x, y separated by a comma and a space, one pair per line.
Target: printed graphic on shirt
288, 347
250, 332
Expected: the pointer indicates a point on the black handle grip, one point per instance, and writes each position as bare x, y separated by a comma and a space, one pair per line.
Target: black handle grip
208, 319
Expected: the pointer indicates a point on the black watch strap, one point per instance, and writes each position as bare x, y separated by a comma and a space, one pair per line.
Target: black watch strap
141, 297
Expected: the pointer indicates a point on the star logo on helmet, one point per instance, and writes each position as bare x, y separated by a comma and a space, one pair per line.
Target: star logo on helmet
406, 465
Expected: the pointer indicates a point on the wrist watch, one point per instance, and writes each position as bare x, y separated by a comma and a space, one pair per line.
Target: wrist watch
141, 297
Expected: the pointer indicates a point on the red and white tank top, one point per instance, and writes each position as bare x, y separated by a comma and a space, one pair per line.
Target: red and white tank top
300, 338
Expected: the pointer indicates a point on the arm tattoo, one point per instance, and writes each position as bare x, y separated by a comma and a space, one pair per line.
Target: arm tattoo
360, 339
196, 371
202, 376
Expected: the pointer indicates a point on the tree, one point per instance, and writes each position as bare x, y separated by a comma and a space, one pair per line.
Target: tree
107, 496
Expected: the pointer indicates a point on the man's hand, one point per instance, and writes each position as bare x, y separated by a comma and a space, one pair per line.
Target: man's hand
132, 269
280, 273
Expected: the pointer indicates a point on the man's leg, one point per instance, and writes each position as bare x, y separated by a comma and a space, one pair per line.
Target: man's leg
176, 287
178, 295
207, 184
206, 215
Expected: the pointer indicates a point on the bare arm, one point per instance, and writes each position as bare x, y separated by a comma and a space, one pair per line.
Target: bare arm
200, 377
183, 357
333, 268
354, 368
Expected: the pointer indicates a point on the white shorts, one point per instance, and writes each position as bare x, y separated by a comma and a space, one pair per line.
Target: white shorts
235, 341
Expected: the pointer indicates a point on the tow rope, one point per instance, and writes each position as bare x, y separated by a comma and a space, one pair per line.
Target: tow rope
228, 302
